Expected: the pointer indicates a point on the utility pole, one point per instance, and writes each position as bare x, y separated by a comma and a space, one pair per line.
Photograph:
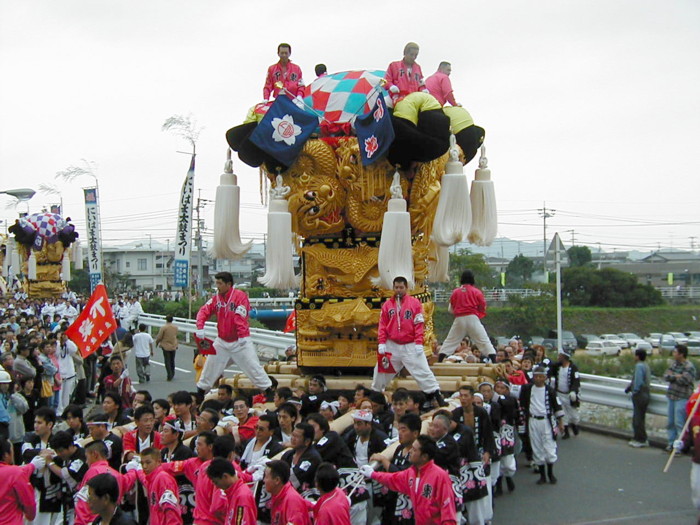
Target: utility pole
692, 243
573, 237
201, 203
545, 214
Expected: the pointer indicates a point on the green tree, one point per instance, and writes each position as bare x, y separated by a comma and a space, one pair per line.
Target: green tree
528, 316
464, 259
579, 256
519, 270
80, 282
584, 286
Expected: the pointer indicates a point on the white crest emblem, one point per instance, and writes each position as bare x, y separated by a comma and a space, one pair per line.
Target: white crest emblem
285, 130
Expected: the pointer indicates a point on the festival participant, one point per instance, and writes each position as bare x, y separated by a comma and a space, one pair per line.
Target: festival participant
494, 410
400, 333
286, 417
162, 494
182, 408
211, 503
285, 73
113, 407
233, 343
329, 444
303, 459
541, 408
476, 418
68, 462
447, 455
440, 86
119, 381
245, 429
99, 428
287, 506
143, 436
143, 351
66, 369
174, 450
225, 396
332, 508
166, 339
329, 409
509, 421
311, 402
428, 485
102, 497
680, 376
566, 381
16, 493
382, 417
240, 506
135, 311
405, 76
264, 445
468, 305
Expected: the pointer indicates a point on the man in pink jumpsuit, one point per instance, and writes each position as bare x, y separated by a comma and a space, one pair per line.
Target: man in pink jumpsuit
288, 74
405, 76
233, 343
16, 493
428, 485
401, 335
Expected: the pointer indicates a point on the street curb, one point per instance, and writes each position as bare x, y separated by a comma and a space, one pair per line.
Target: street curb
618, 433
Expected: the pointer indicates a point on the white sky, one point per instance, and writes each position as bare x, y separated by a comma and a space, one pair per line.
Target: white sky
591, 106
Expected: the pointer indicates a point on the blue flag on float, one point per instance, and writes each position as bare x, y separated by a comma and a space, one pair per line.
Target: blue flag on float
284, 130
375, 132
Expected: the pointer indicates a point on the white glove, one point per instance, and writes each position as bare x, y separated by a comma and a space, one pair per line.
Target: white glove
38, 462
573, 397
125, 374
382, 349
258, 475
133, 465
394, 89
200, 334
678, 446
419, 349
367, 471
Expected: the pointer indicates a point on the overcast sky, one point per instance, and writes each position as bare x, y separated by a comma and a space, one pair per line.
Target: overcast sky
590, 106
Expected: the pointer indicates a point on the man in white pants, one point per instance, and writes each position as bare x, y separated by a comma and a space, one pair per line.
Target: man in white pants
468, 305
66, 368
401, 335
565, 379
233, 343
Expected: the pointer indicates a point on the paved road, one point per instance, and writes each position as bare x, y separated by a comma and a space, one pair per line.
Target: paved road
601, 479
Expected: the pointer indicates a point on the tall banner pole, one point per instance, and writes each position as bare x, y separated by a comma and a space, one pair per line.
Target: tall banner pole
183, 236
94, 234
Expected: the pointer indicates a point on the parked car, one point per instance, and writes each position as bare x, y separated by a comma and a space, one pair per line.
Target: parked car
643, 345
693, 346
680, 337
667, 343
584, 339
653, 338
603, 348
692, 335
632, 339
615, 339
568, 341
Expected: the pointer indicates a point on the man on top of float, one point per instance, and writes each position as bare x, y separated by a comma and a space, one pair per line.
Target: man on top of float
405, 76
400, 334
440, 86
233, 343
285, 73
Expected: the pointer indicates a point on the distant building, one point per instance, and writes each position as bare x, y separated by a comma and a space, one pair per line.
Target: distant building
654, 269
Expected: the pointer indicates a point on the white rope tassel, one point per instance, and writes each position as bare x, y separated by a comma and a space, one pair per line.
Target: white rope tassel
279, 262
7, 261
483, 197
395, 250
31, 266
454, 215
16, 267
65, 266
227, 236
439, 263
77, 255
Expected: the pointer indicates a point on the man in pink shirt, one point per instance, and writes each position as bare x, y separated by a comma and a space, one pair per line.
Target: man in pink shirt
241, 508
284, 72
468, 305
405, 76
16, 493
439, 85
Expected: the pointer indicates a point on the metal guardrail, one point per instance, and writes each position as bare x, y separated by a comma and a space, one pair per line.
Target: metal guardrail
495, 294
691, 292
600, 390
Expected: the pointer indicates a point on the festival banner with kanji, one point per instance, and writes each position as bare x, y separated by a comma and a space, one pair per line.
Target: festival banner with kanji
183, 237
92, 221
94, 324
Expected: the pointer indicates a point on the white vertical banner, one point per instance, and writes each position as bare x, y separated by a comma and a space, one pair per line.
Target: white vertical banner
183, 237
94, 235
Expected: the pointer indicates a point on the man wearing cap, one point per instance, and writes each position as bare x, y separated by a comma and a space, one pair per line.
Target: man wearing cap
311, 402
565, 379
400, 333
544, 415
233, 343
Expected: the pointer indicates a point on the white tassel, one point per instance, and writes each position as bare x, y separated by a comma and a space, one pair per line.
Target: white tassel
439, 264
483, 197
279, 262
15, 269
77, 255
7, 261
454, 215
31, 266
395, 250
227, 236
65, 266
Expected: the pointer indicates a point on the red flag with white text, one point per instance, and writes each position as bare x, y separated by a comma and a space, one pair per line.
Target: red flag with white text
94, 324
